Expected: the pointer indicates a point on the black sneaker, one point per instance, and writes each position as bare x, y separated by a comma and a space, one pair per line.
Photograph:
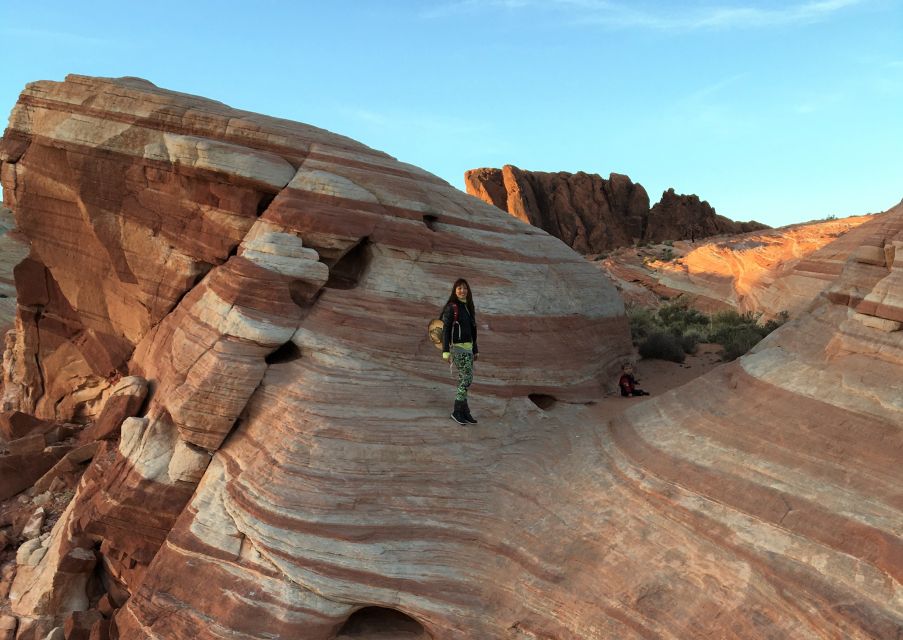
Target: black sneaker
458, 412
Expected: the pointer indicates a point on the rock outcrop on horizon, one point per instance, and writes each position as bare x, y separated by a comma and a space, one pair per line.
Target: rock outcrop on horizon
591, 214
273, 456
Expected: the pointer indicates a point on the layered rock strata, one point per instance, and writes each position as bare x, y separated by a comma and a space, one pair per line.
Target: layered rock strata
765, 272
12, 251
592, 214
240, 254
293, 472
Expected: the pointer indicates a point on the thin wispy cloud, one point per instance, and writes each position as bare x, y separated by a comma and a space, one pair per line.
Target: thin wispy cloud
714, 88
621, 14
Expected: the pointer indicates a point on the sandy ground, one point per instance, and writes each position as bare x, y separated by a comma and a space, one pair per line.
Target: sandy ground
659, 376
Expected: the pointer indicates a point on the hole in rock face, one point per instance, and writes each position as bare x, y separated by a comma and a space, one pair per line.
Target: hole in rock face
542, 400
347, 272
264, 203
380, 622
430, 221
289, 352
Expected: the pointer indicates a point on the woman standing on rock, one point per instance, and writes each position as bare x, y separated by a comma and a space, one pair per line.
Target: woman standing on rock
459, 343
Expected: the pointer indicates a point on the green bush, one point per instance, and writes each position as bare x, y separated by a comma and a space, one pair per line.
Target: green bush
740, 340
676, 327
689, 342
642, 322
662, 346
680, 315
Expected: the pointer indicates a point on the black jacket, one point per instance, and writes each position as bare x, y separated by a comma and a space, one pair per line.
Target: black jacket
465, 330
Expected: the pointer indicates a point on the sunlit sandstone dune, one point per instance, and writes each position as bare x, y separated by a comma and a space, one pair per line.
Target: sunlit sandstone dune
294, 473
763, 272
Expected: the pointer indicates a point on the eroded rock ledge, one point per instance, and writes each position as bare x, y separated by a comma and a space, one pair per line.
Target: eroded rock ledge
293, 472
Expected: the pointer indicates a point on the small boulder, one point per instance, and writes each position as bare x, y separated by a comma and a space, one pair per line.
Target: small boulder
20, 471
79, 624
15, 424
32, 528
42, 499
30, 553
124, 402
33, 443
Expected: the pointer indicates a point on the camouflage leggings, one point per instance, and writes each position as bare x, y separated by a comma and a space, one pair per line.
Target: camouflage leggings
463, 361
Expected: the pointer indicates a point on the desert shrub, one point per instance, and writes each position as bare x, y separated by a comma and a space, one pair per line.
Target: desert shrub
663, 346
673, 327
679, 314
739, 340
642, 323
689, 342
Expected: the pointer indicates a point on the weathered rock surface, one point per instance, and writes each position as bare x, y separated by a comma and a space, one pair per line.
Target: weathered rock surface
592, 214
765, 272
12, 251
295, 450
125, 399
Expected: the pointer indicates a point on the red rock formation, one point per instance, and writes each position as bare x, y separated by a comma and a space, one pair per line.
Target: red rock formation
591, 214
683, 217
294, 472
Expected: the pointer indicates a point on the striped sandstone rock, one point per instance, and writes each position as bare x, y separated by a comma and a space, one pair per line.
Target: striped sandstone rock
295, 473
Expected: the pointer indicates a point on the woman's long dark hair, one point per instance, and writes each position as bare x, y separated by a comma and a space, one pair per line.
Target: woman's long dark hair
453, 297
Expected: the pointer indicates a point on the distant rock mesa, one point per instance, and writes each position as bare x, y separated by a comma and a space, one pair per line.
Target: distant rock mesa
592, 214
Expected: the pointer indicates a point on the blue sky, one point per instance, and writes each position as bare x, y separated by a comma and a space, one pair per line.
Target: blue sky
774, 111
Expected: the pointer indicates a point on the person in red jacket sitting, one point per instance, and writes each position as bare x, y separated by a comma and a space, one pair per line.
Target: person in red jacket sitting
628, 382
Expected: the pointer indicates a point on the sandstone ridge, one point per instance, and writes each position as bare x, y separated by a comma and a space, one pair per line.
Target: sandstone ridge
762, 272
288, 468
592, 214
